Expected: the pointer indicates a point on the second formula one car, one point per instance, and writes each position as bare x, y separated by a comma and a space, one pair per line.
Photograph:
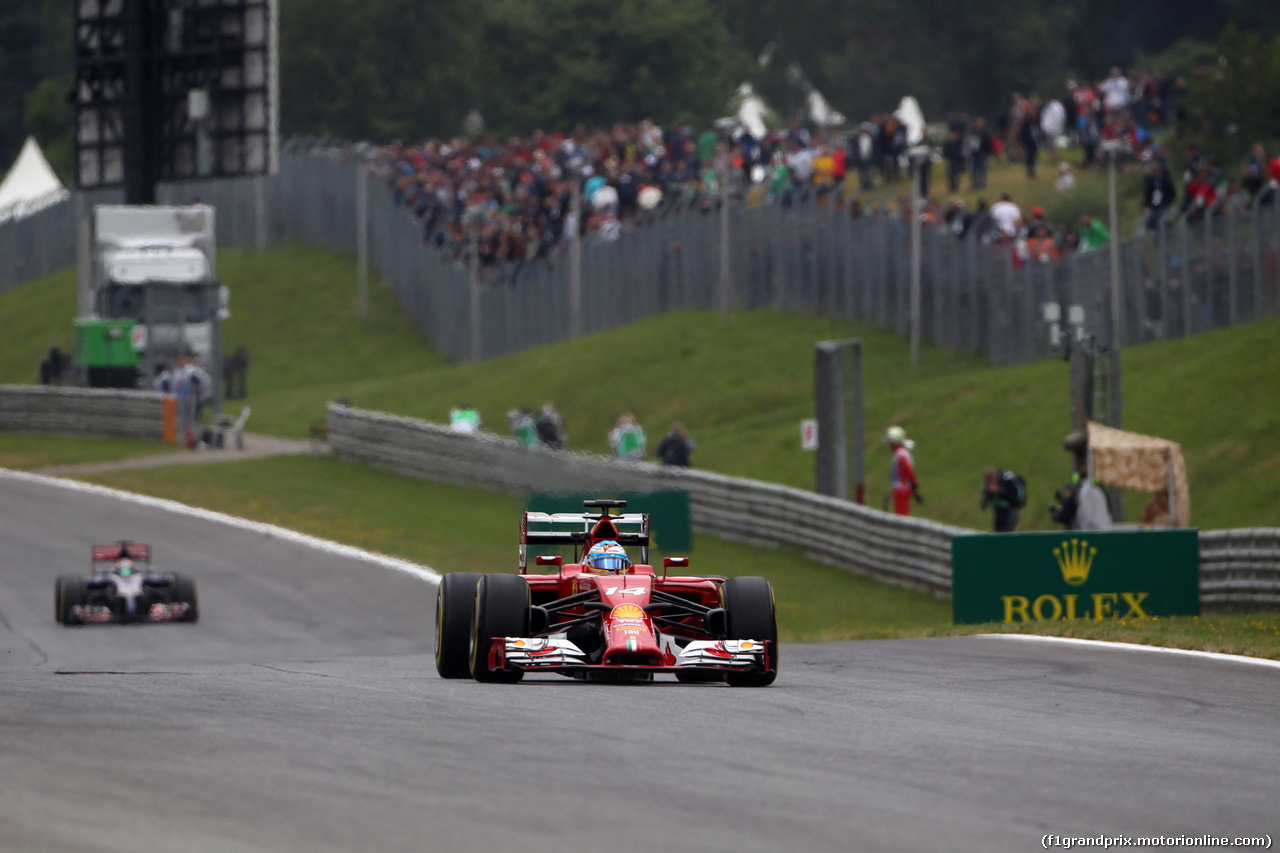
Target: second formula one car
602, 617
123, 587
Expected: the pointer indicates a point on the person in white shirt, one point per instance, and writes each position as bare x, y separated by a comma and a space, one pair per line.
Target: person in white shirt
1053, 120
1007, 216
1114, 91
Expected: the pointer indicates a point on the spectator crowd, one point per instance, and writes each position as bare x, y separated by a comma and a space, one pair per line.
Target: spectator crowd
514, 200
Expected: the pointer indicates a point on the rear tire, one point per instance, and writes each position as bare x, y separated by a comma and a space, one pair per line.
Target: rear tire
751, 615
501, 610
70, 591
184, 591
455, 601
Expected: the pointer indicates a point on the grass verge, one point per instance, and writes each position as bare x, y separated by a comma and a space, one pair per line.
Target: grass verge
28, 451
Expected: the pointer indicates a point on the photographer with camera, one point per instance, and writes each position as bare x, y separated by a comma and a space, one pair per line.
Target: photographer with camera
1006, 493
1081, 504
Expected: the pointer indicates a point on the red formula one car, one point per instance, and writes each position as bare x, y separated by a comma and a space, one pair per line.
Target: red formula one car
125, 588
602, 617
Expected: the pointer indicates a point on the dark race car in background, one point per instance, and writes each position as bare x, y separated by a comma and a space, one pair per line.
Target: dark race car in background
123, 587
624, 626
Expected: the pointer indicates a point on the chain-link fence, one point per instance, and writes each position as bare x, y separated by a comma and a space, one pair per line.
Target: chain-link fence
809, 255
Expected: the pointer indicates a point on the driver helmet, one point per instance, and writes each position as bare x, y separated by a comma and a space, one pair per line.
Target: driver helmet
607, 556
125, 566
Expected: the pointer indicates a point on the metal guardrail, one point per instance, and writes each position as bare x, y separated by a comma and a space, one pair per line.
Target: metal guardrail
1240, 568
97, 411
907, 551
1237, 567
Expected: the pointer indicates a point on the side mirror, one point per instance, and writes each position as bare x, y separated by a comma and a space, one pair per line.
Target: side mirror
545, 560
674, 562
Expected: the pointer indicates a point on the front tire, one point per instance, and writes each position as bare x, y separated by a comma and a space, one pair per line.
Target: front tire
501, 610
455, 599
184, 591
70, 591
751, 615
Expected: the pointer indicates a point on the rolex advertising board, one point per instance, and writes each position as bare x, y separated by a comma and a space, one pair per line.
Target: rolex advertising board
1075, 574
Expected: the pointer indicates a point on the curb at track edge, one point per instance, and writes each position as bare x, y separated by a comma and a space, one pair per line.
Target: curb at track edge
1137, 647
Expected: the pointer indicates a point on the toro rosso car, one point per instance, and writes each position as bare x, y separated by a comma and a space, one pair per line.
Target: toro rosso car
602, 617
123, 587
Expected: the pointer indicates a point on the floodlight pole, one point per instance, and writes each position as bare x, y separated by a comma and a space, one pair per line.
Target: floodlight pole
1115, 252
141, 127
838, 402
918, 162
726, 282
1117, 398
575, 253
362, 239
474, 289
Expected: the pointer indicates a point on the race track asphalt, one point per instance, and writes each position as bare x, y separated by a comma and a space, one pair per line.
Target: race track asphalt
304, 713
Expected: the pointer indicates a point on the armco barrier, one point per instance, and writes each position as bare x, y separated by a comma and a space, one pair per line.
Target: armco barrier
906, 551
1237, 567
99, 411
1240, 568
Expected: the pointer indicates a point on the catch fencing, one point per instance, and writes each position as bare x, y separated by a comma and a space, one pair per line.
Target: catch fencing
1238, 568
96, 411
808, 254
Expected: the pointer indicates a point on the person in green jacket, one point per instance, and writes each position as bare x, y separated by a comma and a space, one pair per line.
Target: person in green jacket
1093, 234
523, 428
627, 439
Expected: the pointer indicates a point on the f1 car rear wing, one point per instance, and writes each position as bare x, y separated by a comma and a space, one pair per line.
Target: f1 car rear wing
580, 528
132, 550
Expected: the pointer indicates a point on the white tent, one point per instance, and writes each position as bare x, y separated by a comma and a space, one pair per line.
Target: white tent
908, 112
30, 185
821, 113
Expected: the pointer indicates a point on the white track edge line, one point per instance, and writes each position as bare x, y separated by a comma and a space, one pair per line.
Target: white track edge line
424, 573
1138, 647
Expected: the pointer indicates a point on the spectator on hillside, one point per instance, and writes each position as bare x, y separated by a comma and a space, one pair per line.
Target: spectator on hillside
1007, 216
1158, 194
1093, 234
676, 446
522, 428
1038, 221
1068, 240
953, 152
1027, 127
1200, 195
1053, 121
862, 154
978, 148
1041, 247
550, 427
1066, 181
464, 419
1114, 92
1267, 164
1251, 180
627, 439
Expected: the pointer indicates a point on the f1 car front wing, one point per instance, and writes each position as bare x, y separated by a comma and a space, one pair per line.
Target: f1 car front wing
550, 654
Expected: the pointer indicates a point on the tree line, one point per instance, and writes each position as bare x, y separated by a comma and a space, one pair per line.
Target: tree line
409, 69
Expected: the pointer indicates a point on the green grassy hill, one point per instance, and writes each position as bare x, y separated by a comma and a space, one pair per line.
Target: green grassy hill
741, 388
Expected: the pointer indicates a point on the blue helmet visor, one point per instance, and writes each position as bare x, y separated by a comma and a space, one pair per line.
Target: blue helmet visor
608, 563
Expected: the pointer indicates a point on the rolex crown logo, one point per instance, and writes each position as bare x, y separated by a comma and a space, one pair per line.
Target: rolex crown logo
1075, 559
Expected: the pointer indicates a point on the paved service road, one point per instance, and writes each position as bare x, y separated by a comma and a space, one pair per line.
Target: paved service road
303, 713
